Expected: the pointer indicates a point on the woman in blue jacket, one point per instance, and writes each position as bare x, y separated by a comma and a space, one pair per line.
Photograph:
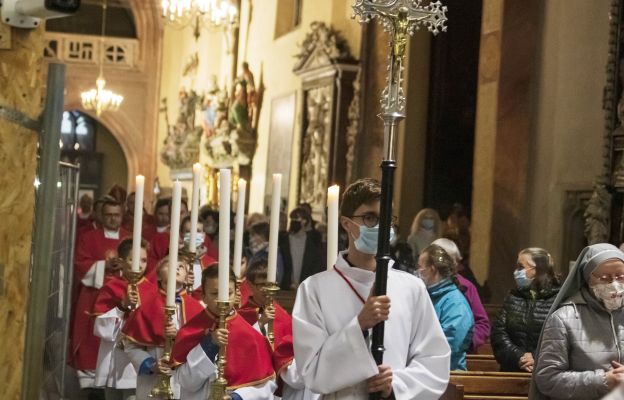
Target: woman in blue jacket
437, 270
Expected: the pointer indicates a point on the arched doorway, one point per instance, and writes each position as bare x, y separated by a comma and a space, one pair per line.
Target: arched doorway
86, 141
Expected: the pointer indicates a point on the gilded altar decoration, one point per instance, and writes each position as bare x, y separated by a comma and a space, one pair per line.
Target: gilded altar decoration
316, 143
353, 128
230, 122
181, 146
322, 45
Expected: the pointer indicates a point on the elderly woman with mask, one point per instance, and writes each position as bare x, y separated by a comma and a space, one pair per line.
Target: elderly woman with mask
580, 349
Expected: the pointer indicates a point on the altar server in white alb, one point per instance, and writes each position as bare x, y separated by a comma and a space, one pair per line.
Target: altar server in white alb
334, 313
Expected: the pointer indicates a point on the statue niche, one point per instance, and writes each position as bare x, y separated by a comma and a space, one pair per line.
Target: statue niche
328, 72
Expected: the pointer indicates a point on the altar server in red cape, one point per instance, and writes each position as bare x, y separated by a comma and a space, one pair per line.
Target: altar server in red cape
95, 261
114, 303
145, 330
249, 370
204, 261
257, 313
159, 237
147, 227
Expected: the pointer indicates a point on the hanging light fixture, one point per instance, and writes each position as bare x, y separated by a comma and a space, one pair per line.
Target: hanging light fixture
209, 13
101, 99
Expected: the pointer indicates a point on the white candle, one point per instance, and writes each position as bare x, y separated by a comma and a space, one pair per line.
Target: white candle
195, 207
225, 183
138, 223
240, 225
333, 194
274, 228
174, 233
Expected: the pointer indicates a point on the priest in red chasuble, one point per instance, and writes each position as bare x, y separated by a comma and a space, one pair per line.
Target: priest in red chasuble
249, 368
95, 262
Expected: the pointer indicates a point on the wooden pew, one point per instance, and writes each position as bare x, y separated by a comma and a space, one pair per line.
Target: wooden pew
482, 362
453, 392
493, 385
286, 299
492, 310
485, 349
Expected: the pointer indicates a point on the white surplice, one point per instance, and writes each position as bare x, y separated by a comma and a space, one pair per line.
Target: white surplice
294, 387
332, 353
197, 373
114, 369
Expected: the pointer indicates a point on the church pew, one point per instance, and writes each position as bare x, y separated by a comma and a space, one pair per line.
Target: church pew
492, 310
453, 392
482, 362
286, 299
485, 349
492, 385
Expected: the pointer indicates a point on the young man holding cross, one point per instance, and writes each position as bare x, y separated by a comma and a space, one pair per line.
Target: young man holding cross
335, 311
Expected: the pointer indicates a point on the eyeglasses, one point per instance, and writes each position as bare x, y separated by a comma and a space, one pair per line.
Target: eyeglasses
609, 278
372, 219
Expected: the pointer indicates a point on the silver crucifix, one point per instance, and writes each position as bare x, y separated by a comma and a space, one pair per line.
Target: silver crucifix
400, 18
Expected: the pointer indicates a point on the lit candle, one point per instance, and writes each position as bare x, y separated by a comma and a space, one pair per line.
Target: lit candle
274, 228
138, 223
195, 206
174, 235
238, 232
333, 194
225, 182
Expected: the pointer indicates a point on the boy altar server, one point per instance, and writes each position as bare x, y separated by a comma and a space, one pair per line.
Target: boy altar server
114, 303
145, 330
334, 312
257, 313
249, 370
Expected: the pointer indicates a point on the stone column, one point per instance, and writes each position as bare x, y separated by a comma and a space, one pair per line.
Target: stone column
509, 35
20, 80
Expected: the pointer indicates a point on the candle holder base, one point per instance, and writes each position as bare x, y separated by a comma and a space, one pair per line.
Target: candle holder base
218, 390
163, 389
270, 290
133, 278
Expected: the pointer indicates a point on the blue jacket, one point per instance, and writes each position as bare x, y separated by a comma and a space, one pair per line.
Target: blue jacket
456, 319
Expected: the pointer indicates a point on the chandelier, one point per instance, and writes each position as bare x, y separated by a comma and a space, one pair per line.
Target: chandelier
99, 98
210, 13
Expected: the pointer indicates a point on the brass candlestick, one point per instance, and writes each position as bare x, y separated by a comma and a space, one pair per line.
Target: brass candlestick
193, 257
163, 390
218, 390
239, 299
270, 290
133, 279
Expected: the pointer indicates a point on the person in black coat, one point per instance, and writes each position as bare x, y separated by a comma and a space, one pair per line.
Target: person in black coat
301, 249
517, 327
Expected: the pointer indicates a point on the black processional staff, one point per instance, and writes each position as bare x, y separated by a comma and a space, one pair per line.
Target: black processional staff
400, 18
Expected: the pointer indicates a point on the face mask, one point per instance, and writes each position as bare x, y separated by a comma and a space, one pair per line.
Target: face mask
369, 237
427, 223
611, 294
199, 239
521, 279
210, 229
295, 226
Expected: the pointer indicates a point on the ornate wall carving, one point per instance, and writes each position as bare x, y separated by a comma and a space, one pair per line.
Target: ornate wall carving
328, 72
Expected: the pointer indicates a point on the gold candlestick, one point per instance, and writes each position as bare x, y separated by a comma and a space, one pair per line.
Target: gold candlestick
163, 390
270, 290
133, 279
218, 390
193, 258
239, 299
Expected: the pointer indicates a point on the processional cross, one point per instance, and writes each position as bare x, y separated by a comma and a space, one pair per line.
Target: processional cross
400, 18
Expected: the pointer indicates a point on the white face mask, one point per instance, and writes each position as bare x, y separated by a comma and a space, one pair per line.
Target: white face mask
611, 294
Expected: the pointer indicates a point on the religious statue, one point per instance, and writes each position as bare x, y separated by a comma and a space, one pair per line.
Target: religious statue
597, 215
181, 146
230, 123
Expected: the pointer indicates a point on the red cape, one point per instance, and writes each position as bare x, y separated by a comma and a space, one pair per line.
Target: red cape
245, 292
114, 291
283, 352
245, 345
92, 246
146, 326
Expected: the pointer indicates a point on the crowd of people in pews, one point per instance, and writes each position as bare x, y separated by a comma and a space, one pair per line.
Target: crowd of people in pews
568, 334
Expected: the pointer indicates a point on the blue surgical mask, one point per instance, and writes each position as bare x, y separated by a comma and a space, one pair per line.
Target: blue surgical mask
521, 279
427, 223
369, 238
199, 239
